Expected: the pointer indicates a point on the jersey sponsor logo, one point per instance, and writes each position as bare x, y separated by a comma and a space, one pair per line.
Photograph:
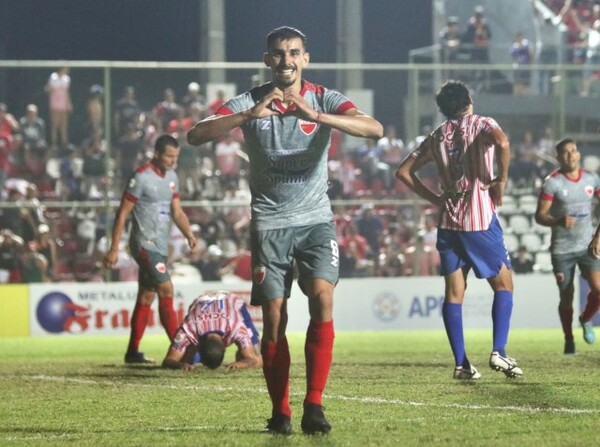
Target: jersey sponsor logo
132, 183
589, 190
172, 186
307, 127
161, 267
259, 274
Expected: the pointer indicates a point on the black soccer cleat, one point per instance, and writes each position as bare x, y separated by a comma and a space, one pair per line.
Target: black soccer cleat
279, 424
137, 358
569, 346
313, 420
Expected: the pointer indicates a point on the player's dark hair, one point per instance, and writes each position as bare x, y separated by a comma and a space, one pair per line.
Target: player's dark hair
453, 99
163, 141
212, 351
285, 33
560, 146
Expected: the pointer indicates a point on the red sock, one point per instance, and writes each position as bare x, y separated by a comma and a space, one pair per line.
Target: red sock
168, 318
318, 351
566, 320
276, 369
591, 307
139, 321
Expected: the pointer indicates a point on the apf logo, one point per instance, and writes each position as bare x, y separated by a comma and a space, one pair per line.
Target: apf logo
56, 313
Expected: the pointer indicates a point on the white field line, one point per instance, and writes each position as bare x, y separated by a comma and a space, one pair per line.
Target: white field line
366, 400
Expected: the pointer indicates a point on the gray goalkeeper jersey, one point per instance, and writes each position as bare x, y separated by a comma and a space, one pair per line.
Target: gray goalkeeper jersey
288, 158
152, 191
573, 198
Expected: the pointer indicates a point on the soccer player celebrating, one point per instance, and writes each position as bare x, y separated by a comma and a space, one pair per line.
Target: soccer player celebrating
464, 148
152, 195
287, 125
213, 322
565, 205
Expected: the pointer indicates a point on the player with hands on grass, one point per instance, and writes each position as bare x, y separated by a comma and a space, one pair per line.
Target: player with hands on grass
215, 321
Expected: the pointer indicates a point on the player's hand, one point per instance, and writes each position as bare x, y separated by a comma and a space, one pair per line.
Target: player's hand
110, 258
496, 188
594, 247
263, 108
186, 366
192, 242
302, 108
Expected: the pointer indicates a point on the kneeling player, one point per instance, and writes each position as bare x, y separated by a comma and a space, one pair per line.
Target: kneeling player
213, 322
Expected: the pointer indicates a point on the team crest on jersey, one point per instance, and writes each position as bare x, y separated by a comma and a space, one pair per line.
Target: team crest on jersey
307, 127
132, 182
259, 274
172, 186
589, 190
161, 267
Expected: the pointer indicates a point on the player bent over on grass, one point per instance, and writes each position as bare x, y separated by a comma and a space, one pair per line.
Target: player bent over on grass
287, 127
464, 148
215, 321
152, 198
565, 204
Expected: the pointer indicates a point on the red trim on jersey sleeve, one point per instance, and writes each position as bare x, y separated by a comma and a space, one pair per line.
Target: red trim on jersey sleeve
128, 196
176, 195
546, 196
344, 107
224, 111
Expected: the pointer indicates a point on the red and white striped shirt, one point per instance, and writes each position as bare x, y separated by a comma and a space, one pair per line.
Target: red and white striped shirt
465, 163
220, 313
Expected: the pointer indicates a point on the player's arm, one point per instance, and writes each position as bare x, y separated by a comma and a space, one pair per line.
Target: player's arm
544, 218
216, 126
594, 247
407, 173
352, 121
125, 209
498, 138
178, 360
182, 222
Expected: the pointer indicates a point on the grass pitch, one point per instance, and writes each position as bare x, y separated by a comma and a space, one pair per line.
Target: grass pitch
385, 389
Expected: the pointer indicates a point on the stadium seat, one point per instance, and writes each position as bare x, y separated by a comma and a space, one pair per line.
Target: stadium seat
509, 205
503, 223
591, 163
542, 262
519, 223
511, 241
532, 242
528, 203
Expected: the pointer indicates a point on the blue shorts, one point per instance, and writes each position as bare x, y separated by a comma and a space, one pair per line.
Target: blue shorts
483, 251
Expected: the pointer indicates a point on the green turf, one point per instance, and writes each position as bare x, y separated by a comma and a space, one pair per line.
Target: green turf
385, 389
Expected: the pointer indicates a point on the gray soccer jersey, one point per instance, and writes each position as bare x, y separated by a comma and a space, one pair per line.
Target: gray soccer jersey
288, 158
152, 191
573, 198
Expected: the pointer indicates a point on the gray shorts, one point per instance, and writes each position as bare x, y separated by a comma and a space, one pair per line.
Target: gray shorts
153, 267
564, 264
312, 248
